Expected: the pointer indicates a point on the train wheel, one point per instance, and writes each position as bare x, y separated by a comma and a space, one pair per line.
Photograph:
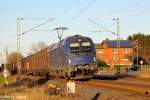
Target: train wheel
72, 74
67, 77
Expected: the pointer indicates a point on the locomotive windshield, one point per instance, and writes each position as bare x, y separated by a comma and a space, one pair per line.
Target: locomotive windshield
85, 44
76, 44
80, 47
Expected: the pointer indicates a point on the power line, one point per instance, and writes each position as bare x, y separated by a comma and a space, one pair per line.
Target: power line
32, 29
123, 20
138, 13
68, 11
130, 16
130, 4
104, 28
81, 11
35, 18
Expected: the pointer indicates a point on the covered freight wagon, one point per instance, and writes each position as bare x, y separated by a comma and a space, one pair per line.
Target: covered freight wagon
37, 63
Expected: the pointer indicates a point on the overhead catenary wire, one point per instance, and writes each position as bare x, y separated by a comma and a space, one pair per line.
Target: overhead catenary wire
133, 15
134, 3
123, 20
81, 11
71, 9
104, 28
137, 13
128, 17
32, 29
35, 18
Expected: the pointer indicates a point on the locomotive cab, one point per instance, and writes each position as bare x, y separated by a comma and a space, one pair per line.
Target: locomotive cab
73, 56
81, 55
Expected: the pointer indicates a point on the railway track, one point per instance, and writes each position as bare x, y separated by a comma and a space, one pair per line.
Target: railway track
141, 88
136, 79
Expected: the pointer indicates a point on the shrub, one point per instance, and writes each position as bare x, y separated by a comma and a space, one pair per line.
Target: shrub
101, 63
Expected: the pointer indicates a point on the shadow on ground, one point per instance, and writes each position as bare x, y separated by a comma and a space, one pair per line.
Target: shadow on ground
105, 78
27, 82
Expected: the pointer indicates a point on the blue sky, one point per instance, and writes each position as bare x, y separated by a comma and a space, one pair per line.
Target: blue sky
74, 14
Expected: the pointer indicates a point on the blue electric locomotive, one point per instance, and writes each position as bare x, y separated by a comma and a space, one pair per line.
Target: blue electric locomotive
73, 56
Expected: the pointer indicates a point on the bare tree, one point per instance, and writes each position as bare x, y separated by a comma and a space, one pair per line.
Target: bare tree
129, 56
34, 48
12, 59
41, 45
38, 46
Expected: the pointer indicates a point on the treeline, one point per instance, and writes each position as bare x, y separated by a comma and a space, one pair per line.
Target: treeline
142, 41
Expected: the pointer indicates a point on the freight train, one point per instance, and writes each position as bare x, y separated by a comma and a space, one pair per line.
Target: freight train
72, 57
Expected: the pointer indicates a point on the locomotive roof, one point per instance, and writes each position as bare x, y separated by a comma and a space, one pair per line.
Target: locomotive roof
70, 38
77, 36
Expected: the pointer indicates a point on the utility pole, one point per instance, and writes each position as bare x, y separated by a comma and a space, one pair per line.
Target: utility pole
137, 53
118, 44
19, 34
6, 52
1, 57
18, 47
117, 33
118, 39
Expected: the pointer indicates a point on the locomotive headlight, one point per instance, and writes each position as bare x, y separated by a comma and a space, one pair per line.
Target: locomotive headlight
94, 59
79, 40
69, 61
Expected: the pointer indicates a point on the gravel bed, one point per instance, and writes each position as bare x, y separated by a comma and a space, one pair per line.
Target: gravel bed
86, 92
83, 92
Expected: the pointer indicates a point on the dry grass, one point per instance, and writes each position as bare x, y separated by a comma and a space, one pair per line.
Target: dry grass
143, 75
9, 79
36, 93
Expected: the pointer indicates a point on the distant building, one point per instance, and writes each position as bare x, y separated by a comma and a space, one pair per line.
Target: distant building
108, 52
